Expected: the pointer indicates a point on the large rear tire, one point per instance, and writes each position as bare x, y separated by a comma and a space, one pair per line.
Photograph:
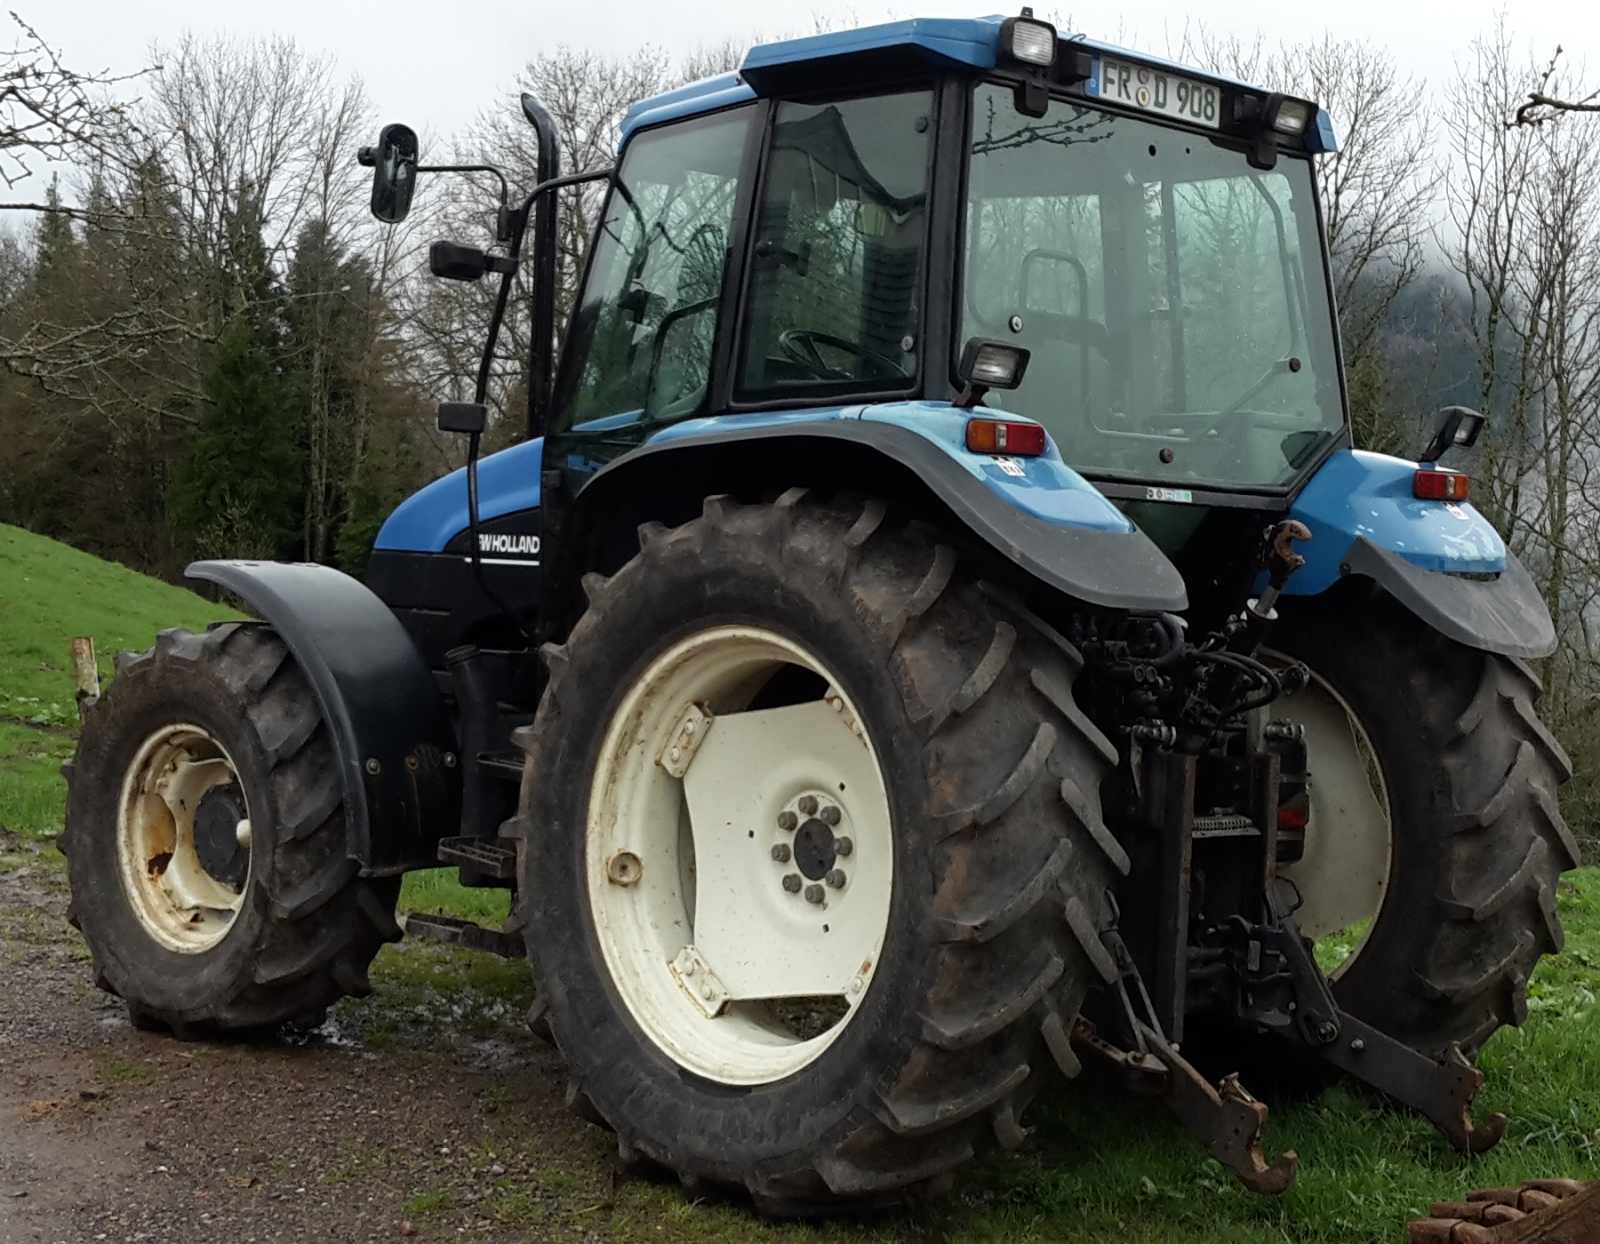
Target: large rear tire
205, 839
977, 878
1462, 894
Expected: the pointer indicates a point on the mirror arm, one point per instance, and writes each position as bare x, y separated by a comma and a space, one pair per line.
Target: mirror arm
502, 232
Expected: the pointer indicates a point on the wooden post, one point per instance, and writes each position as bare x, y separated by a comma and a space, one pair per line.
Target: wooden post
86, 671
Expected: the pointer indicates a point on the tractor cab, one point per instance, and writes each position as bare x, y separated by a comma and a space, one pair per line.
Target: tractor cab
829, 228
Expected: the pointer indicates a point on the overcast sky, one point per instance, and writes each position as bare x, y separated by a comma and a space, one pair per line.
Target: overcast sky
434, 65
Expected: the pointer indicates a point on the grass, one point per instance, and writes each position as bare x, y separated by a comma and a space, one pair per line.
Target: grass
1100, 1166
49, 593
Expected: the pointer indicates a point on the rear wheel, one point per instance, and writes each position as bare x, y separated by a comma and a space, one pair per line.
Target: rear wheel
813, 854
1434, 842
205, 839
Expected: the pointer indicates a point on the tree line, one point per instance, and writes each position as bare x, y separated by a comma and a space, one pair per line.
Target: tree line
208, 349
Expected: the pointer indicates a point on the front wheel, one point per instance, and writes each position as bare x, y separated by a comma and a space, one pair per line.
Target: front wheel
205, 840
1434, 841
813, 849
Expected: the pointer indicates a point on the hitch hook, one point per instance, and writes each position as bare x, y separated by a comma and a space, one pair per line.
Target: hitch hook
1227, 1121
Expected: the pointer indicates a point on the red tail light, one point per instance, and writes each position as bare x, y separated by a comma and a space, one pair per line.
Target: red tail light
995, 436
1432, 484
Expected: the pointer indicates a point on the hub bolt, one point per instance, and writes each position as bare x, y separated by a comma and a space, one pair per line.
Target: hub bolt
788, 822
624, 868
808, 804
835, 878
829, 815
814, 894
781, 853
843, 846
791, 883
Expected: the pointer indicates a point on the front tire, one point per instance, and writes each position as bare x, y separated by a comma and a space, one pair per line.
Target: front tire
980, 888
205, 840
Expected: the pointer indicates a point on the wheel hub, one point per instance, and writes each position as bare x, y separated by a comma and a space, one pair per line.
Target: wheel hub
818, 829
216, 834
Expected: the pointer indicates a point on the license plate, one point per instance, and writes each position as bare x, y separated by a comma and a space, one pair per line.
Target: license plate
1150, 90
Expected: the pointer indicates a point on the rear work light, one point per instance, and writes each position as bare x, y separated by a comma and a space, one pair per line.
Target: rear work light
1432, 484
1029, 41
996, 436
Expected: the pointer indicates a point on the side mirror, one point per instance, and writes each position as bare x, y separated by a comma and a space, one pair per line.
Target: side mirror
394, 172
455, 262
1459, 428
470, 418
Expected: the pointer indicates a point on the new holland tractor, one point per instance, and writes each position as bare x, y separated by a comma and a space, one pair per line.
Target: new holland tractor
936, 633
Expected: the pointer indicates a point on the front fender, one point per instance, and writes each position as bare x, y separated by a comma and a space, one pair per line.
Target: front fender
391, 733
1443, 561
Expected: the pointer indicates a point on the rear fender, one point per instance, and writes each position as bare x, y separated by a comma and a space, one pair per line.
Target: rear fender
1444, 562
396, 750
1099, 559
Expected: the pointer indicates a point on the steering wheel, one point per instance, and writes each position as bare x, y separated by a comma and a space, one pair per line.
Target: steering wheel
800, 345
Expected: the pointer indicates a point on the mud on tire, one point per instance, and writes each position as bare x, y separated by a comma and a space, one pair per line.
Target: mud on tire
308, 925
1001, 859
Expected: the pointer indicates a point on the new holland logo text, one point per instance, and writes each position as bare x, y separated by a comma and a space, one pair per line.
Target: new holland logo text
507, 544
517, 550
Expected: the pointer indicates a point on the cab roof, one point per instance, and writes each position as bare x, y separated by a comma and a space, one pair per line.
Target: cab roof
888, 49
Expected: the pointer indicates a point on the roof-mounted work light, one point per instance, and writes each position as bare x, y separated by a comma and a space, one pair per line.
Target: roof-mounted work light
1276, 116
1287, 116
1029, 45
1028, 40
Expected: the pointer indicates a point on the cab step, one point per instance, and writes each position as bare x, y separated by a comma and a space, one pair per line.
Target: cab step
481, 855
461, 932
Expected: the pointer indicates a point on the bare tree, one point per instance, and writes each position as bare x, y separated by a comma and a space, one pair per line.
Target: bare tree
1541, 106
1524, 201
51, 112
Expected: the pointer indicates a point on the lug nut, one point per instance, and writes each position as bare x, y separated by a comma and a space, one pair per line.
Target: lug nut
843, 846
624, 868
788, 822
829, 815
791, 883
835, 878
781, 853
814, 894
808, 804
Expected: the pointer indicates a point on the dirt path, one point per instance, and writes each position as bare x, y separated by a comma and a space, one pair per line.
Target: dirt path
426, 1111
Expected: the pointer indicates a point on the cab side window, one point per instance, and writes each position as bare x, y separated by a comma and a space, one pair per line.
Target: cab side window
837, 260
639, 347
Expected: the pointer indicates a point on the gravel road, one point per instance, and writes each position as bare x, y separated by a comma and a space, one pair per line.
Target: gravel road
426, 1111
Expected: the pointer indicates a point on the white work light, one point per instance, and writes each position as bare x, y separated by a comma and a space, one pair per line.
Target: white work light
1288, 116
1029, 41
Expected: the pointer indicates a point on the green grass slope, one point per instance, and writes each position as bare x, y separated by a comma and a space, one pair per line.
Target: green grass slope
49, 593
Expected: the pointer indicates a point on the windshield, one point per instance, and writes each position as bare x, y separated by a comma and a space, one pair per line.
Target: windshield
1173, 298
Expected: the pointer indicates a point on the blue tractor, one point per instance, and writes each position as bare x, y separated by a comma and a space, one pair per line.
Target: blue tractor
936, 633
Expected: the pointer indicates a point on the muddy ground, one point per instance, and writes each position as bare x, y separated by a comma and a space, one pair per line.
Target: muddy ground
427, 1111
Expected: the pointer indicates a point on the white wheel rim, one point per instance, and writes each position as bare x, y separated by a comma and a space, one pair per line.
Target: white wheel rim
701, 935
1343, 877
176, 901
